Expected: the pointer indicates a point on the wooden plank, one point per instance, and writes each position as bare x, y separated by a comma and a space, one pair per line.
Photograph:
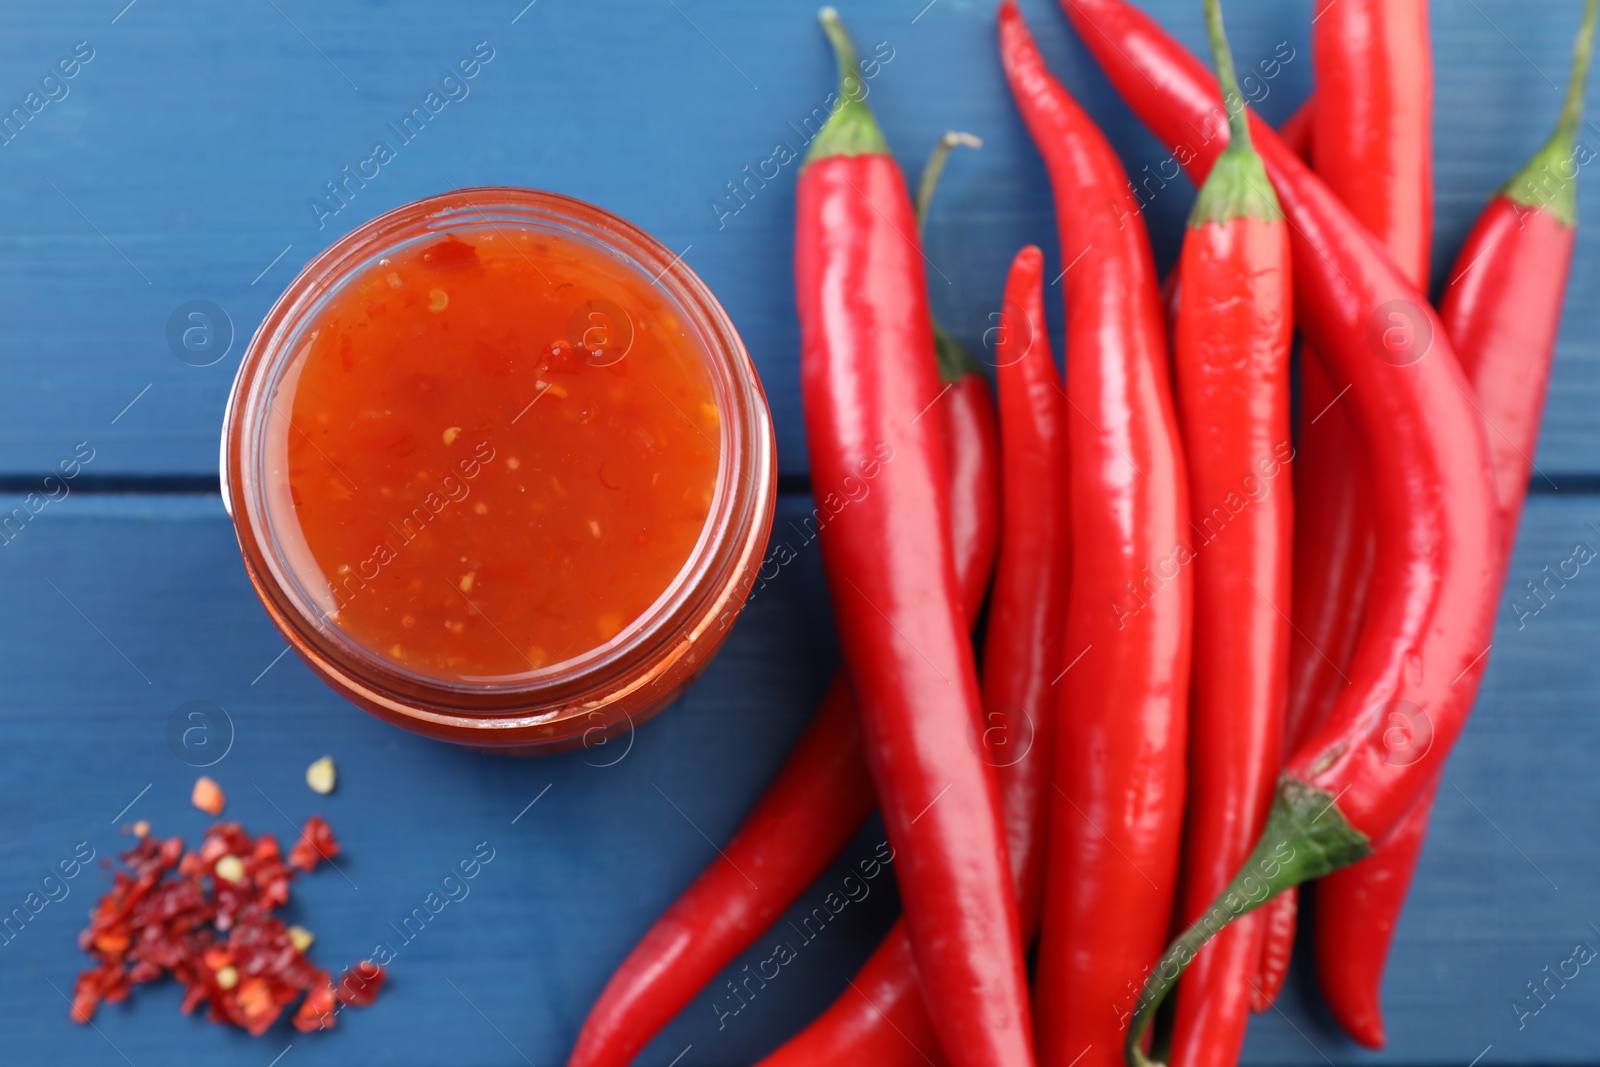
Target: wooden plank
122, 614
180, 164
123, 609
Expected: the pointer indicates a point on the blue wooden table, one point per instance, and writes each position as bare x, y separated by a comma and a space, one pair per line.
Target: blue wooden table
198, 153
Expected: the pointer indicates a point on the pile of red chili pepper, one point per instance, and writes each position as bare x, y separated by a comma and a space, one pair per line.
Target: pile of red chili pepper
205, 917
1230, 639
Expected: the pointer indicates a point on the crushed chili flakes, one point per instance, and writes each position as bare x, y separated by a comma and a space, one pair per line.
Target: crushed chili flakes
316, 1012
205, 918
360, 984
208, 796
316, 843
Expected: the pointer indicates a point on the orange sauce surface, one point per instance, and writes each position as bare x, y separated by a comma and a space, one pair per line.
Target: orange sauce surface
502, 448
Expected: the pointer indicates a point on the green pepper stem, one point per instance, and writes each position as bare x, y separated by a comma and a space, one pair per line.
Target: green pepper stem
1238, 117
955, 362
1237, 187
1582, 54
933, 169
1549, 181
1306, 837
851, 130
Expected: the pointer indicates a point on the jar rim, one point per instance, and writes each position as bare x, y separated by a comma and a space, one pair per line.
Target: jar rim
733, 536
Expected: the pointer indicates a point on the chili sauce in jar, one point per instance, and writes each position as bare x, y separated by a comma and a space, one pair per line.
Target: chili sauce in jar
501, 469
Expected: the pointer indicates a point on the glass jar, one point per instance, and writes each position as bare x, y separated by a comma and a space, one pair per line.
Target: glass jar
586, 697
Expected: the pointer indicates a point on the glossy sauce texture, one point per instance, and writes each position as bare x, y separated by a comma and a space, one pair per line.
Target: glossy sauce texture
499, 449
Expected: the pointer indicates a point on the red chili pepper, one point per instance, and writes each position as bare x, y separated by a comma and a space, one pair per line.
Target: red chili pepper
880, 1021
1502, 305
1117, 814
1502, 310
866, 384
1435, 579
1372, 139
1350, 956
1231, 357
1296, 129
807, 814
1171, 300
972, 438
1279, 918
819, 798
1372, 129
1333, 553
1028, 607
1333, 560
